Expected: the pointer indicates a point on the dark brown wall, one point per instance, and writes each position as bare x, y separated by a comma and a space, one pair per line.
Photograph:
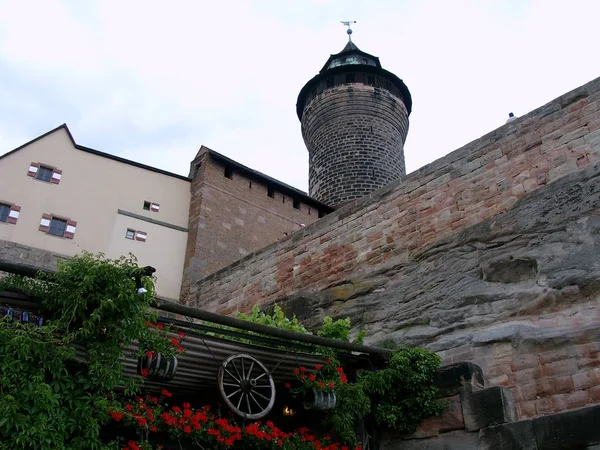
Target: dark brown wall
355, 136
232, 217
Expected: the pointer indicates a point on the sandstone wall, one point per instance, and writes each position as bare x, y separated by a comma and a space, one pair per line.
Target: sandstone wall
488, 254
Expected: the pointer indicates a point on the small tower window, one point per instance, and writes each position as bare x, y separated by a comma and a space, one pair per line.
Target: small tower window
349, 78
297, 204
271, 192
228, 172
330, 82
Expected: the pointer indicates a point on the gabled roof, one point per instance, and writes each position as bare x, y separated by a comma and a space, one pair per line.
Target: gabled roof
97, 153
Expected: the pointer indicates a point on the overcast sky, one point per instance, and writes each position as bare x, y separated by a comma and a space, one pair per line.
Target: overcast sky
153, 80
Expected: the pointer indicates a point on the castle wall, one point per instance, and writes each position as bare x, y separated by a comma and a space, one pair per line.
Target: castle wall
488, 255
233, 216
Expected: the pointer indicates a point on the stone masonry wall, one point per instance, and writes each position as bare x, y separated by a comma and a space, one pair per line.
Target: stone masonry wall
488, 254
355, 136
231, 217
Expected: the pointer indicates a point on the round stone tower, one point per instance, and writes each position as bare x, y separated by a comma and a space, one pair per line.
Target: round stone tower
354, 117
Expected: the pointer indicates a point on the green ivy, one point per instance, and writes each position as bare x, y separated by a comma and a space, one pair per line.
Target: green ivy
57, 381
400, 395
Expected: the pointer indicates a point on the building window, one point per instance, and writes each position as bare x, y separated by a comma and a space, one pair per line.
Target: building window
130, 234
330, 83
271, 192
228, 172
371, 80
297, 204
349, 78
4, 212
57, 227
151, 206
44, 173
249, 184
321, 214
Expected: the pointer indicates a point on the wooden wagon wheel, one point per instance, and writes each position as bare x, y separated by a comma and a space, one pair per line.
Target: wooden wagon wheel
246, 386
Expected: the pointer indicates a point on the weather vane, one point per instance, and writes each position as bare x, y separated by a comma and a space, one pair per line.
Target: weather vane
349, 31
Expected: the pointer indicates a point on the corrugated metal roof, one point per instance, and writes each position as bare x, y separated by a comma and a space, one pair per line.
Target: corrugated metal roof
198, 366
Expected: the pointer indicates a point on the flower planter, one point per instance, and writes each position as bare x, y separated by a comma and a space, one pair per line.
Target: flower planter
158, 367
319, 400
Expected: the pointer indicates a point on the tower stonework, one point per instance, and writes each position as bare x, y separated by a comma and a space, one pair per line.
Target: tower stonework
354, 117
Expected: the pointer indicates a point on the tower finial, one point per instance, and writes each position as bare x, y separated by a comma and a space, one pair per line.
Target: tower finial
349, 30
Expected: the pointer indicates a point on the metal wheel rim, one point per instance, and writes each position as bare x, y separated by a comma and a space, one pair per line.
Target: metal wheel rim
246, 386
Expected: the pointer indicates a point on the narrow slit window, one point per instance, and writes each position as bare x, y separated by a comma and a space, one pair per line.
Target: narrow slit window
271, 192
297, 204
228, 172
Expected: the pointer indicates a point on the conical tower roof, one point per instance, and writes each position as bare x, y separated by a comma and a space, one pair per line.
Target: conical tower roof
351, 55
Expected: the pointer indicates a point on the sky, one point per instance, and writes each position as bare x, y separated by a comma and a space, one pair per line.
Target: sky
152, 80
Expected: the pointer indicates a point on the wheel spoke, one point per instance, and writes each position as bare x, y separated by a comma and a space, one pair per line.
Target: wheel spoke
260, 376
262, 386
255, 401
248, 403
233, 393
240, 401
262, 396
233, 376
231, 384
236, 370
243, 371
250, 371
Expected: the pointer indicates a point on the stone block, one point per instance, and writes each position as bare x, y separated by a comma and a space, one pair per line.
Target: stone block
451, 378
569, 430
509, 436
491, 406
448, 441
